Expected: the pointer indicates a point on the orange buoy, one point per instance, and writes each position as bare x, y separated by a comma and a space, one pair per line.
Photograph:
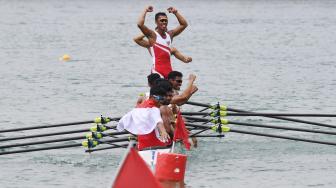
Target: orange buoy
65, 57
170, 166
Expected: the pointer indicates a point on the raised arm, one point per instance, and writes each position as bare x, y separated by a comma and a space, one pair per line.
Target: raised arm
180, 56
150, 34
141, 41
183, 23
187, 93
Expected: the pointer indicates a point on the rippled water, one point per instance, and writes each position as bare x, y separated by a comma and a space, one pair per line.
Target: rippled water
275, 56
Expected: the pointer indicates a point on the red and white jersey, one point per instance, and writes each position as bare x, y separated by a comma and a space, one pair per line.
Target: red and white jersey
160, 52
143, 122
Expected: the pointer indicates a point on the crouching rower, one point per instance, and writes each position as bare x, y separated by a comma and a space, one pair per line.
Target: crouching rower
146, 121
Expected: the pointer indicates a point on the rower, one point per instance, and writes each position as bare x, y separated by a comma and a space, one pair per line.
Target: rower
141, 41
146, 121
151, 80
160, 40
175, 78
166, 112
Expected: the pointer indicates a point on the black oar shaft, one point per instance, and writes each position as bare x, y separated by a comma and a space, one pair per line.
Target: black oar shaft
206, 127
115, 140
44, 135
56, 147
53, 140
41, 149
290, 119
275, 117
263, 114
42, 142
198, 132
204, 109
283, 137
50, 134
45, 126
197, 119
209, 136
198, 104
281, 114
195, 113
53, 125
269, 135
267, 126
283, 128
106, 148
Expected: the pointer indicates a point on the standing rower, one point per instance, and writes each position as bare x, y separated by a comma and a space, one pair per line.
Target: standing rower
160, 40
141, 41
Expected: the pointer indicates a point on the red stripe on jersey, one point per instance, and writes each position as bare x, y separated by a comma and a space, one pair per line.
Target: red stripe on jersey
165, 47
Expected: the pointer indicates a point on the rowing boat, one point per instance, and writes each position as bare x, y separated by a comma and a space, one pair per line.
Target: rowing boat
160, 167
151, 160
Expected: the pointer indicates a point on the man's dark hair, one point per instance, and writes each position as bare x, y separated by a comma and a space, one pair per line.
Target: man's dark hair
165, 84
152, 78
157, 15
174, 74
157, 90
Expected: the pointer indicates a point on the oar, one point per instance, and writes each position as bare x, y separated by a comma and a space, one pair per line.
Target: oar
197, 133
50, 134
268, 135
106, 148
41, 149
97, 120
44, 135
224, 113
54, 140
54, 147
209, 136
225, 121
282, 118
204, 109
221, 107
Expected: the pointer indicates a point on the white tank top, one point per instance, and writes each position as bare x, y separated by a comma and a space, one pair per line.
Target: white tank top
160, 52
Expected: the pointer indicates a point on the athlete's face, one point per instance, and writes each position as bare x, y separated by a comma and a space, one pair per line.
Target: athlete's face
177, 82
162, 23
168, 98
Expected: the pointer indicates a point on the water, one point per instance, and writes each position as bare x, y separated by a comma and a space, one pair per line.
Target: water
275, 56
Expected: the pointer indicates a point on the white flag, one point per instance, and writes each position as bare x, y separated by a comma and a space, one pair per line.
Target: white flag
140, 121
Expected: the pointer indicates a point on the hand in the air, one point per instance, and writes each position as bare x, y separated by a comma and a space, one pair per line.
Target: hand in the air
188, 59
149, 9
172, 10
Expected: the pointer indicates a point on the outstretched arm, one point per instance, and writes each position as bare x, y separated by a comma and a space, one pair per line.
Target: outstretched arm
150, 34
187, 93
183, 23
180, 56
141, 41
